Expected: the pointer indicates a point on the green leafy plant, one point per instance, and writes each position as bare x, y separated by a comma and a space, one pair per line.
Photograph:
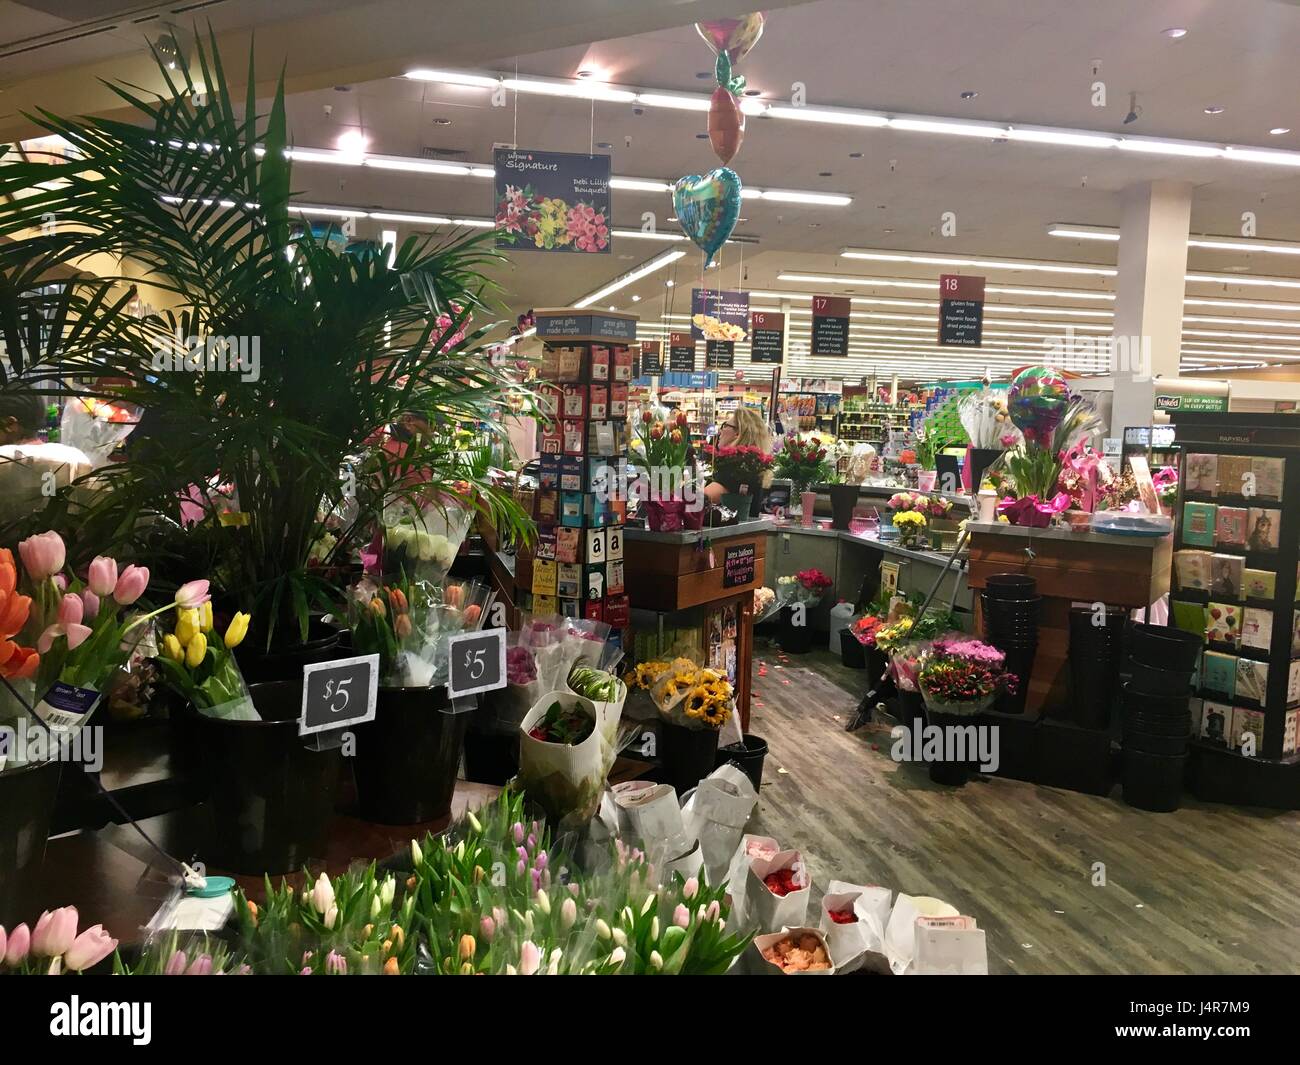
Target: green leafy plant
197, 191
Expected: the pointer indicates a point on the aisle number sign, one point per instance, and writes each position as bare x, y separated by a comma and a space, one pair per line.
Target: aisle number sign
767, 336
681, 352
830, 325
961, 310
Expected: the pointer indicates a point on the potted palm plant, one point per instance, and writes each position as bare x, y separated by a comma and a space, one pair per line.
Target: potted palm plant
278, 361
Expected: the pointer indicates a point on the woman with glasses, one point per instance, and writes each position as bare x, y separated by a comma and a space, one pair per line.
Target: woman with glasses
744, 427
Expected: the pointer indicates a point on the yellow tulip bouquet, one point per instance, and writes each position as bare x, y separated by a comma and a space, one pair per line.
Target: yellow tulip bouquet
199, 664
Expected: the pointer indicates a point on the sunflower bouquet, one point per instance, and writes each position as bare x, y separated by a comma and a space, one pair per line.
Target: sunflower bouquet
685, 693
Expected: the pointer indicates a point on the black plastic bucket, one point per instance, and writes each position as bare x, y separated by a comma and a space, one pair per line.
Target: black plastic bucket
408, 757
284, 661
491, 757
1010, 586
1151, 743
795, 639
852, 653
748, 756
689, 755
27, 795
1153, 781
1152, 680
1095, 654
1163, 646
269, 795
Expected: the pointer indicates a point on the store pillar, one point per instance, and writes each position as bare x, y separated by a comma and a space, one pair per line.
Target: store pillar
1149, 296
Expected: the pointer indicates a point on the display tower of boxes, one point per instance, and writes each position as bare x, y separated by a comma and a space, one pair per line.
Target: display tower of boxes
581, 505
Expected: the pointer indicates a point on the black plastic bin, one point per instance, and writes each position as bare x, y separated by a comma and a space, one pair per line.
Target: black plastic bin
748, 755
1153, 781
852, 654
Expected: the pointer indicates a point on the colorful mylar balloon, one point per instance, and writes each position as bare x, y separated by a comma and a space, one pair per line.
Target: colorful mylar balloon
1037, 401
735, 36
707, 207
726, 124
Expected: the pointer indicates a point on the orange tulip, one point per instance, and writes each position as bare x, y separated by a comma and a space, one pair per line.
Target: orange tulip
8, 572
397, 598
15, 661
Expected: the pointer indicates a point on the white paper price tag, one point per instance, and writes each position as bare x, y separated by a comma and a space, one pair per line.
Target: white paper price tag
338, 693
476, 662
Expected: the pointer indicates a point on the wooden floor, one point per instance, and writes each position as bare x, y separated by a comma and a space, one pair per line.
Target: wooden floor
1207, 889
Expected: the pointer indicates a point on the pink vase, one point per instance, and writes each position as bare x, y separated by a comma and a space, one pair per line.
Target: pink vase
925, 480
809, 502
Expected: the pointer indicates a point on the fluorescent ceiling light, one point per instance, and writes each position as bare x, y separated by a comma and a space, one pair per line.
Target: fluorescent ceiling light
1217, 243
657, 263
451, 77
318, 155
328, 212
475, 223
639, 184
992, 264
1243, 279
957, 129
831, 115
933, 286
675, 101
414, 219
582, 90
1157, 147
827, 199
1250, 322
1254, 305
417, 166
641, 234
1257, 155
1062, 137
1058, 229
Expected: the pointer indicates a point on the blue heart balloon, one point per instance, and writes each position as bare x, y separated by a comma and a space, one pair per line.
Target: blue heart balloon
708, 206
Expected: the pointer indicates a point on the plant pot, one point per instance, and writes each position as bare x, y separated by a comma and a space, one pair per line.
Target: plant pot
739, 503
925, 480
748, 756
491, 757
795, 639
689, 755
978, 459
270, 796
284, 661
844, 497
1094, 666
1010, 586
27, 795
951, 772
808, 501
852, 653
1148, 680
1153, 781
1165, 706
1163, 646
407, 758
911, 708
1153, 742
665, 515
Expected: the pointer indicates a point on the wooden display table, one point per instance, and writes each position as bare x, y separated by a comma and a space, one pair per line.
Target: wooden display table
1128, 572
709, 570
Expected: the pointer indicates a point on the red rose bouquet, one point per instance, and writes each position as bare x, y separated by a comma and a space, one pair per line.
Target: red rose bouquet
803, 462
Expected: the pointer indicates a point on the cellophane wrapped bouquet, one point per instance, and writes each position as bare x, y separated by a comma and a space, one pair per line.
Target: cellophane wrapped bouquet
408, 623
423, 543
984, 416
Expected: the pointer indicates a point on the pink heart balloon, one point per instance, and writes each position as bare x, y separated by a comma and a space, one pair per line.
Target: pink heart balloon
735, 36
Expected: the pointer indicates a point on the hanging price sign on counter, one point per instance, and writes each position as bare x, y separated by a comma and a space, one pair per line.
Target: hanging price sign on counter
476, 662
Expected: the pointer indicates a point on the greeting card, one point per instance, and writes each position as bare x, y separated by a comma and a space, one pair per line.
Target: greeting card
1224, 624
1202, 474
1219, 673
1268, 477
1291, 732
1226, 574
1252, 680
1190, 617
1293, 684
1198, 524
1257, 628
1215, 721
1230, 526
1265, 525
1246, 723
1259, 583
1192, 570
1234, 474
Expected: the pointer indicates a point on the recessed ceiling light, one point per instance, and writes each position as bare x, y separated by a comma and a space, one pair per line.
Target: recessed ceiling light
888, 230
669, 283
612, 307
636, 298
1277, 131
1214, 109
604, 144
353, 143
1175, 32
442, 121
672, 218
969, 94
814, 225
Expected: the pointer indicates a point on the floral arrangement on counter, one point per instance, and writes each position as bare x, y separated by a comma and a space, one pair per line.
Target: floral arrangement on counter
803, 463
1085, 474
960, 675
864, 629
764, 598
920, 503
740, 466
911, 526
985, 418
806, 587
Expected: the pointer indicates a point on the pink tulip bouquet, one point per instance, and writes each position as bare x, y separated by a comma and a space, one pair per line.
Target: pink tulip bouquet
53, 947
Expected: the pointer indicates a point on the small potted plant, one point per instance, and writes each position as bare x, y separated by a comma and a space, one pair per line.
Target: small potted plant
928, 446
799, 593
665, 440
741, 469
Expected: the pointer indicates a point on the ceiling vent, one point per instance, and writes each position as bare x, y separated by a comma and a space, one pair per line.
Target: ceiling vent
429, 152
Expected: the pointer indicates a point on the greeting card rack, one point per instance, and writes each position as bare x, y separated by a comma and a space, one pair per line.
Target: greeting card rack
1237, 541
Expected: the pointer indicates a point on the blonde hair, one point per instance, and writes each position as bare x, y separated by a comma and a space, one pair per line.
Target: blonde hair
752, 430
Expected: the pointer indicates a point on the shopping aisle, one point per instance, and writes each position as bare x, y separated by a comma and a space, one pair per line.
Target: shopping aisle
1196, 891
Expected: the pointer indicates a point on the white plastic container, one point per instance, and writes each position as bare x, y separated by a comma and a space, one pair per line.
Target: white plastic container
841, 619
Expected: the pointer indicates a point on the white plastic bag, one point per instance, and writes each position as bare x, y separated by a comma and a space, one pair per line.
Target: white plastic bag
716, 814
